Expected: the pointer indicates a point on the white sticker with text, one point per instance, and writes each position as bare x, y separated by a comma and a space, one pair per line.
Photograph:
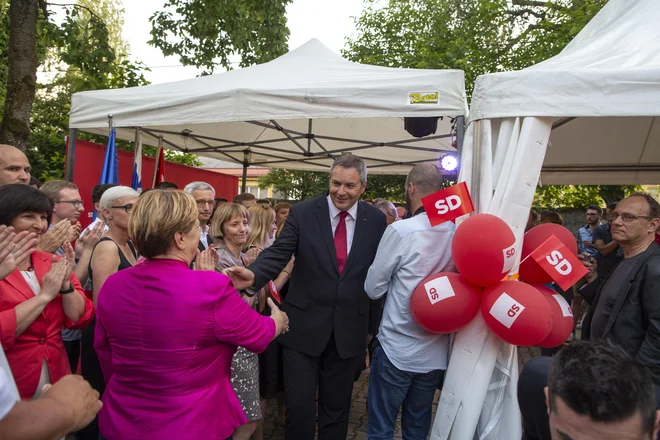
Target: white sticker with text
439, 289
506, 310
509, 258
565, 308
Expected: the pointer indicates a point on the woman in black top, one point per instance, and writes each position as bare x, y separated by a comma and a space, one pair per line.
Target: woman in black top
113, 253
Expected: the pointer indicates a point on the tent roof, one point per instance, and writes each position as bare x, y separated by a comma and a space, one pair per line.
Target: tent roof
608, 79
295, 112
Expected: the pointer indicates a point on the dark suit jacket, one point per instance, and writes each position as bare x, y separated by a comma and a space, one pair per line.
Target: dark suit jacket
320, 301
634, 323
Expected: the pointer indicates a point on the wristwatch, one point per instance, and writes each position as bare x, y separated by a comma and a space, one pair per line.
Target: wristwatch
67, 291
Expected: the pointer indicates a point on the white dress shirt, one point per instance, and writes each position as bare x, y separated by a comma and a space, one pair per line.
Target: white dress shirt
350, 222
204, 235
410, 251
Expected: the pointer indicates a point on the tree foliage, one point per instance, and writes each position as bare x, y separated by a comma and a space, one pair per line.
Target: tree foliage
204, 33
302, 185
83, 52
475, 36
580, 196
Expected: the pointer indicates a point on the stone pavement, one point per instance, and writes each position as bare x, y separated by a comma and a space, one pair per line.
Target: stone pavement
357, 427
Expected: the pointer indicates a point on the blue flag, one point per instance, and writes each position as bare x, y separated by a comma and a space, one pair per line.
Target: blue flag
136, 182
110, 172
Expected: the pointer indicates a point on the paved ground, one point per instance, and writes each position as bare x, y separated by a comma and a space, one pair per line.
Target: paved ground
357, 428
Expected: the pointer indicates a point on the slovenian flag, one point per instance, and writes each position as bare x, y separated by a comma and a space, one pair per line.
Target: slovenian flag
136, 182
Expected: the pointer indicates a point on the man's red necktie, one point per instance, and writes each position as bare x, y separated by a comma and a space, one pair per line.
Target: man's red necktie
341, 245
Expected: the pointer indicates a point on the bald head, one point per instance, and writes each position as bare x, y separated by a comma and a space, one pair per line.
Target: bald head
426, 179
14, 166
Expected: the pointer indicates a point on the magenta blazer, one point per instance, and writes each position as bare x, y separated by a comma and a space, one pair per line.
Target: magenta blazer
165, 336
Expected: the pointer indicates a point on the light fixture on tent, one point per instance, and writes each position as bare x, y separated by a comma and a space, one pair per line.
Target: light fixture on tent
420, 127
449, 162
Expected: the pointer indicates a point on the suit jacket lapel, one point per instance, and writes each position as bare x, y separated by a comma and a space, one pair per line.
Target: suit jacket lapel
358, 233
323, 215
624, 291
201, 246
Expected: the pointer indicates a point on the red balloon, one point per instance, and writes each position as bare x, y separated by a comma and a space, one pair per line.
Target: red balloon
483, 249
562, 318
445, 302
530, 271
517, 312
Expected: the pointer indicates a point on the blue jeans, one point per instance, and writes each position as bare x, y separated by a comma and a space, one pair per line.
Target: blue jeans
391, 389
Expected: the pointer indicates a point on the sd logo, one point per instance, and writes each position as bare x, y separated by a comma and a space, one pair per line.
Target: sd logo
449, 204
513, 311
560, 264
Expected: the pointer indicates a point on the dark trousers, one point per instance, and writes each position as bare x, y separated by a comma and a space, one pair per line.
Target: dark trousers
73, 354
333, 377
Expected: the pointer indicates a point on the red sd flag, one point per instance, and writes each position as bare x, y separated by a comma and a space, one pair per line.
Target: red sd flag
448, 204
559, 262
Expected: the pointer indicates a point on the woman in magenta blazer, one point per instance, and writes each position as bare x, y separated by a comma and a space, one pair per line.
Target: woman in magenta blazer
165, 334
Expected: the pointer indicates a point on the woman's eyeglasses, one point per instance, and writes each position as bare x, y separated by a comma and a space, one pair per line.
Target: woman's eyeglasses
126, 208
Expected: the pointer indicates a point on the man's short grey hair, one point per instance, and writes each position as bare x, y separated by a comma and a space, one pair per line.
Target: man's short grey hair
111, 195
426, 177
351, 161
387, 207
198, 186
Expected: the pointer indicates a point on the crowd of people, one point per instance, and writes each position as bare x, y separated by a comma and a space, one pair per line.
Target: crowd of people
186, 313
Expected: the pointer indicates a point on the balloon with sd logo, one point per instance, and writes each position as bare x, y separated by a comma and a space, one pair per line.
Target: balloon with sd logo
445, 302
562, 318
483, 249
517, 312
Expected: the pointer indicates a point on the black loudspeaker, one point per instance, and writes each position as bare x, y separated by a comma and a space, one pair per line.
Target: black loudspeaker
420, 127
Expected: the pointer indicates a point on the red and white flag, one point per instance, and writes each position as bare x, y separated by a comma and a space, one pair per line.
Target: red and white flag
559, 262
448, 204
159, 170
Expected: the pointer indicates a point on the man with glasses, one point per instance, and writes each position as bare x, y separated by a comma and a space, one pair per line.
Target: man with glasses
585, 233
204, 196
68, 207
625, 307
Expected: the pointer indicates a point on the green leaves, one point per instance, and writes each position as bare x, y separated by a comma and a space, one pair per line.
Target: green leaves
205, 33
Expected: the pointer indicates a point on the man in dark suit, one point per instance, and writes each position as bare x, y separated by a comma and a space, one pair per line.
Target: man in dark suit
204, 195
334, 238
625, 306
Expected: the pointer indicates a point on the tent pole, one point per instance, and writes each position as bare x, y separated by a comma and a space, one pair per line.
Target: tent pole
245, 167
71, 154
460, 131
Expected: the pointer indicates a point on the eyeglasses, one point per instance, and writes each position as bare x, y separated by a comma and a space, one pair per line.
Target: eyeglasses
627, 218
126, 208
203, 203
76, 203
589, 214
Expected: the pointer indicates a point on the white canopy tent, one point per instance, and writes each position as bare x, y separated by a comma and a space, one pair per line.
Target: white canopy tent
594, 108
296, 112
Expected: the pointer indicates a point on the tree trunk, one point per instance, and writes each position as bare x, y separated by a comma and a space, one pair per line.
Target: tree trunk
22, 73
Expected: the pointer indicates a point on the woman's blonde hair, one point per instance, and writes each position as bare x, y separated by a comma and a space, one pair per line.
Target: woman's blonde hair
260, 226
157, 216
224, 214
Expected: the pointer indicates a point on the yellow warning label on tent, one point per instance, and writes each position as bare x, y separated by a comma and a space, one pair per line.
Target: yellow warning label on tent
424, 98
